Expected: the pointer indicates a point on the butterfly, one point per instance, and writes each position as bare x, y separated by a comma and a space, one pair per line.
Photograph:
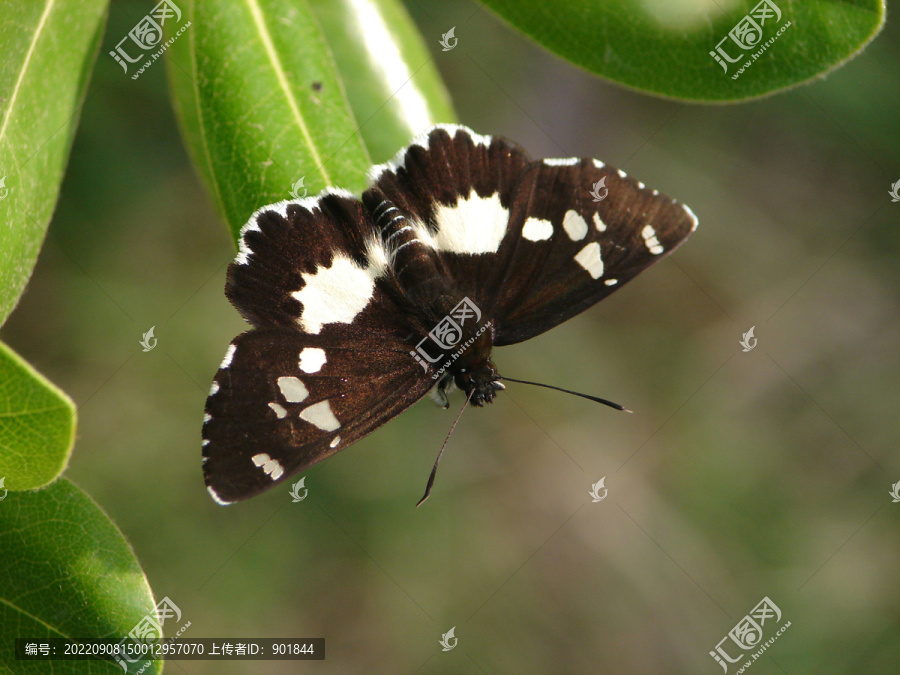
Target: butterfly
361, 307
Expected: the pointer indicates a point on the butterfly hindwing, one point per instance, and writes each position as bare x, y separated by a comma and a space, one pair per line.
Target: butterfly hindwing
456, 189
283, 400
304, 262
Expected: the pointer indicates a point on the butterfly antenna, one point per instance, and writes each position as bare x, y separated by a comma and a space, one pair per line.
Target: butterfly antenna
446, 440
569, 391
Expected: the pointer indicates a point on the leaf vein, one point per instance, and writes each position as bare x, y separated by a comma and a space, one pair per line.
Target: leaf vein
25, 63
280, 75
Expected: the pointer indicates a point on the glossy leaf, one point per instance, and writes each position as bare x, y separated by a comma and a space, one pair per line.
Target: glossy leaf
663, 46
261, 104
66, 571
48, 50
390, 78
37, 425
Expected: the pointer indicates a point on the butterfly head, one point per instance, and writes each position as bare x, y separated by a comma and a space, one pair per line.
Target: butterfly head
476, 374
482, 383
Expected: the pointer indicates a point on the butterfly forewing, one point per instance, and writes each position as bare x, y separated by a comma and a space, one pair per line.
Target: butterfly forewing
565, 249
283, 400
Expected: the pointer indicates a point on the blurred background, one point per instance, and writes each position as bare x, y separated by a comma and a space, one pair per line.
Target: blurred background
740, 475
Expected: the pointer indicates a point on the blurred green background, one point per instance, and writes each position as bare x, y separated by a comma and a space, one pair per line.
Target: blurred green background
740, 475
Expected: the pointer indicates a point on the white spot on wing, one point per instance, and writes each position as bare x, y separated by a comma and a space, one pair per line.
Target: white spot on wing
568, 161
589, 259
621, 173
335, 294
598, 163
293, 390
312, 359
334, 442
229, 354
320, 415
216, 498
691, 215
611, 282
206, 418
598, 223
213, 388
574, 225
536, 229
204, 444
270, 466
279, 411
650, 240
473, 225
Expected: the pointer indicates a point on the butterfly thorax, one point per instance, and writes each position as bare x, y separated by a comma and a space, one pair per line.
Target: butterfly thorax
459, 339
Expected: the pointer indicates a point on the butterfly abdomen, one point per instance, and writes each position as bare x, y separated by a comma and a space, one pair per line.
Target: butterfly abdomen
410, 254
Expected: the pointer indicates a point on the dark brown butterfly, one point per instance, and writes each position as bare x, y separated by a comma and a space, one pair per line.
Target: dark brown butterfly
361, 307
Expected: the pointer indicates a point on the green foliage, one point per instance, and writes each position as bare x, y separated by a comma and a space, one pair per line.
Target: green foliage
48, 51
256, 124
663, 47
67, 572
37, 425
391, 82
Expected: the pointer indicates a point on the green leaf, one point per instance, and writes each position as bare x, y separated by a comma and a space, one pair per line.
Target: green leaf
663, 46
260, 104
66, 571
48, 50
37, 425
391, 80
